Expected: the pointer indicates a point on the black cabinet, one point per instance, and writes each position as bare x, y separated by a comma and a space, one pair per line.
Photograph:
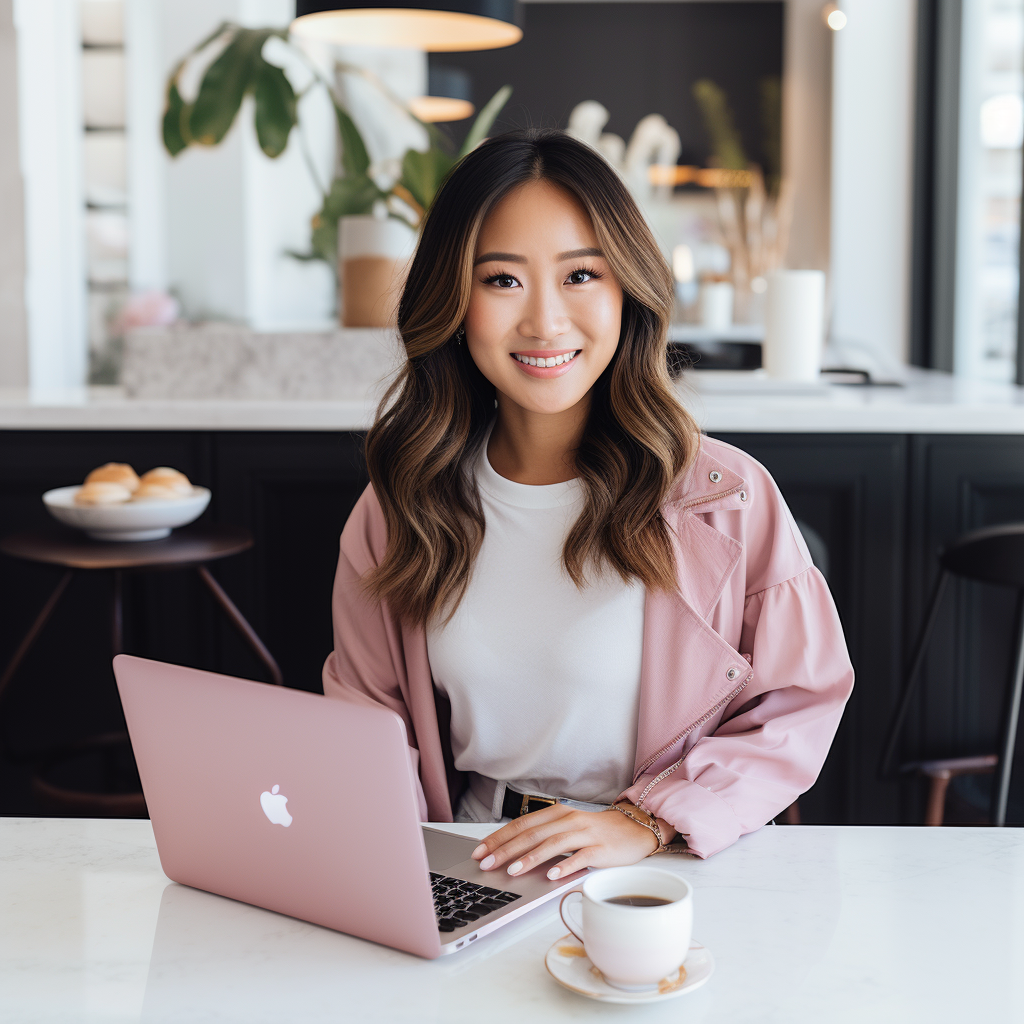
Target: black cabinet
881, 504
850, 489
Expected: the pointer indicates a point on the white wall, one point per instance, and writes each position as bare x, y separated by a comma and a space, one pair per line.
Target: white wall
50, 132
13, 334
872, 167
230, 213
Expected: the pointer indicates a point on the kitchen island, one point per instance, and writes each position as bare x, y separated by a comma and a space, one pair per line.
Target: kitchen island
881, 476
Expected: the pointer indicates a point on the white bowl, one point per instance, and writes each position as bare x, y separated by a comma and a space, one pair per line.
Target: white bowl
131, 520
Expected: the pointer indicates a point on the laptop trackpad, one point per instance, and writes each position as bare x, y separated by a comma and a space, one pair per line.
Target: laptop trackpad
445, 850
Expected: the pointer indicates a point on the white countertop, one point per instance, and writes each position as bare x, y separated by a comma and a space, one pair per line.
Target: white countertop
722, 401
815, 924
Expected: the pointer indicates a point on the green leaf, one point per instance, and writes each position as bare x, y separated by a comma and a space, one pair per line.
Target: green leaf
422, 173
726, 143
348, 196
224, 85
485, 119
174, 107
276, 108
354, 158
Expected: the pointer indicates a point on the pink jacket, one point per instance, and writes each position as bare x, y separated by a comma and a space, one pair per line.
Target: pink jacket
744, 676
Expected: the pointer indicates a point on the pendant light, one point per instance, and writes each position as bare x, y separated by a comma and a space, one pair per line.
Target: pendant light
442, 27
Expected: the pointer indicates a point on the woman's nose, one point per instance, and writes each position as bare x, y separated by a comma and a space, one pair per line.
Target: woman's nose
545, 317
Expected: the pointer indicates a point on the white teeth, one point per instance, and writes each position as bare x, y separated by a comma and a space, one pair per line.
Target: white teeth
549, 361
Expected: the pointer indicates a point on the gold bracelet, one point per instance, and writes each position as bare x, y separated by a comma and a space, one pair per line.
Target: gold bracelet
651, 823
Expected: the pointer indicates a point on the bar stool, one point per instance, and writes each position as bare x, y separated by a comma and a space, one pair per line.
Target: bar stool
192, 547
992, 555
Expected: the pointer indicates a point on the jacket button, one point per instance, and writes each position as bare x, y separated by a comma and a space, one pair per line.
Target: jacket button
714, 476
743, 495
731, 674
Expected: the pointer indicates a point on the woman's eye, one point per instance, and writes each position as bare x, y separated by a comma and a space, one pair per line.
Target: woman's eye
503, 280
580, 276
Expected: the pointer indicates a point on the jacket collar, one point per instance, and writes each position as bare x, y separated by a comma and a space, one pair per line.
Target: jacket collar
705, 557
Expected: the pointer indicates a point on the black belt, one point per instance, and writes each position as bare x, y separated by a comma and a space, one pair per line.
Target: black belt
515, 805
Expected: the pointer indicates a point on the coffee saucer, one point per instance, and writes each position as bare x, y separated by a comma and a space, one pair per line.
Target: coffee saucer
568, 963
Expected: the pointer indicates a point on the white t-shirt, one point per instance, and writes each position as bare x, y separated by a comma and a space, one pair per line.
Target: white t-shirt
543, 678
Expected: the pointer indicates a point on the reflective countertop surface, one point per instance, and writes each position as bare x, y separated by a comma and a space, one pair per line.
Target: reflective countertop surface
807, 924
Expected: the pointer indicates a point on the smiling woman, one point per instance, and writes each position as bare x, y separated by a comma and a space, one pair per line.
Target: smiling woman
560, 586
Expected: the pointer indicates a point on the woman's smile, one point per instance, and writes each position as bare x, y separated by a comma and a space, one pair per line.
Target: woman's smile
545, 363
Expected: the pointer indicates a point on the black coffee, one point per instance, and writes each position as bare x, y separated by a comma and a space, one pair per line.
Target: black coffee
638, 901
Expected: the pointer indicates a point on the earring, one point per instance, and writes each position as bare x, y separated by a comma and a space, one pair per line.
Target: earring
460, 334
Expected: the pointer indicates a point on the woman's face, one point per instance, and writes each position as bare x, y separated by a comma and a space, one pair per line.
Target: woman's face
544, 311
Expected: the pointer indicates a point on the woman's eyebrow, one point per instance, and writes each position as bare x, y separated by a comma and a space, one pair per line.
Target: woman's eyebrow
575, 254
499, 257
511, 257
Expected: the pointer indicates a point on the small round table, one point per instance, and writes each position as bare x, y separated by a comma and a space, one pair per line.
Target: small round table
191, 547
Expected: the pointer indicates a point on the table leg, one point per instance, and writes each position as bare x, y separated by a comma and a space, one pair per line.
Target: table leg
241, 624
117, 634
34, 630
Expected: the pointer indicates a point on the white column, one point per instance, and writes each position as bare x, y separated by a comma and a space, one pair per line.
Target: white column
50, 136
872, 168
13, 335
806, 128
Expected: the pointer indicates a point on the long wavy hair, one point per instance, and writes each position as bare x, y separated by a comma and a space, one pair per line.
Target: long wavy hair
431, 423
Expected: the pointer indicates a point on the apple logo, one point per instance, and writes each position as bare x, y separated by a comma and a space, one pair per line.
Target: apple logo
273, 804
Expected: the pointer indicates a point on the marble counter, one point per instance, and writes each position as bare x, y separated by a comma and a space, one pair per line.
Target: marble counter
723, 402
807, 924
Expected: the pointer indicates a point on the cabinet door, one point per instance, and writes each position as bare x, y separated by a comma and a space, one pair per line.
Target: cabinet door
963, 483
294, 491
850, 489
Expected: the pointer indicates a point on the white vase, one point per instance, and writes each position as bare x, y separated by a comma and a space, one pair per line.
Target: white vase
373, 259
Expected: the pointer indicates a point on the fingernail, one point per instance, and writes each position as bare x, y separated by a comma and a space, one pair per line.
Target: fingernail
479, 851
554, 872
487, 862
514, 869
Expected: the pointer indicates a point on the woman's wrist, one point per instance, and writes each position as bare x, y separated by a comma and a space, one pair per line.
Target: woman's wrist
647, 821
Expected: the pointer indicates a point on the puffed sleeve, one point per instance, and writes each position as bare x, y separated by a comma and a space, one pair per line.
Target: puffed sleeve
768, 750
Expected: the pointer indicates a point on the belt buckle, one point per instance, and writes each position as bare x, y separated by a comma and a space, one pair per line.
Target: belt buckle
525, 807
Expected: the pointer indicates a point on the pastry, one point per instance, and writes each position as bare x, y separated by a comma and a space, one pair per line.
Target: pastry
170, 478
155, 491
102, 492
115, 473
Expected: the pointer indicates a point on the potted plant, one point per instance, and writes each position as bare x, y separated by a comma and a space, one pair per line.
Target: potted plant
359, 190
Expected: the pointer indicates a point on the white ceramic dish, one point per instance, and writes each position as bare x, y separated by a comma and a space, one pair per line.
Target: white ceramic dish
567, 962
133, 520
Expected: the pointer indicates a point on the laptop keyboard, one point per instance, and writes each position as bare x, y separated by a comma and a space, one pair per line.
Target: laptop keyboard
457, 903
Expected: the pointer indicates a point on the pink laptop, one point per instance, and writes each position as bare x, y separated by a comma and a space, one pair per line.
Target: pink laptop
307, 807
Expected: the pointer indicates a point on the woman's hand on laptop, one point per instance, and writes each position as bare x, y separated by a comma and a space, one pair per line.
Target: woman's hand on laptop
596, 839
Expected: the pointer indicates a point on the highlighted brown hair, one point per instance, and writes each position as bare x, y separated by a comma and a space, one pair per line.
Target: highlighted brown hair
421, 448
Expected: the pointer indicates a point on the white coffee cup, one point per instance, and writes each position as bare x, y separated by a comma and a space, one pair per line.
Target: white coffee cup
634, 947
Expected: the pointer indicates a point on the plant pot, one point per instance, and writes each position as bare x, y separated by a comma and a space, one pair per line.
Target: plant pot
373, 258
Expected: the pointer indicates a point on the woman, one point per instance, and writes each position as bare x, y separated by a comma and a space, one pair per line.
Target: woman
564, 590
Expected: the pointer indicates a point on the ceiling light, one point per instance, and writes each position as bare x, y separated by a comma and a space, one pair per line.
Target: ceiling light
834, 17
446, 26
440, 108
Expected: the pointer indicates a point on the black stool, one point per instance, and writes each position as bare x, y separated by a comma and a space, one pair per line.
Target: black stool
192, 547
993, 555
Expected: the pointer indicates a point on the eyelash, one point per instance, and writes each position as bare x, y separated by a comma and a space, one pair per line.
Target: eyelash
594, 274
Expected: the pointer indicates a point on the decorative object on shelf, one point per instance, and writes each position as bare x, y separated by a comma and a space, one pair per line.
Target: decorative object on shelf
373, 258
716, 302
755, 205
405, 190
794, 325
